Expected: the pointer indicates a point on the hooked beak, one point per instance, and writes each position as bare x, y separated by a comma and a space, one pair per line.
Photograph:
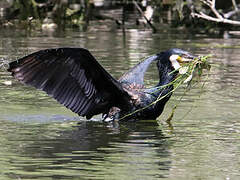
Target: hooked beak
178, 60
185, 58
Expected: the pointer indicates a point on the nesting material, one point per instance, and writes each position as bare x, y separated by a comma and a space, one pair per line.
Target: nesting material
189, 73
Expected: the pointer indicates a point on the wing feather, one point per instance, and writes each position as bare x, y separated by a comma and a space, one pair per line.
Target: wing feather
73, 77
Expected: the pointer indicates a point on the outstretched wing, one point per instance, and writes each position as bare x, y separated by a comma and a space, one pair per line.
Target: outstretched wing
73, 77
136, 74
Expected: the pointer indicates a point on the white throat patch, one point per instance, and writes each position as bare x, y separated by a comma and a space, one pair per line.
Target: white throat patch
173, 58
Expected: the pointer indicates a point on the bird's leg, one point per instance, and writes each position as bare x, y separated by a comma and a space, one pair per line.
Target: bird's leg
108, 119
112, 115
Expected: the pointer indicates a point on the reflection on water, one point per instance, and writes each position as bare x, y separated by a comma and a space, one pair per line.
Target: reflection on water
87, 150
40, 139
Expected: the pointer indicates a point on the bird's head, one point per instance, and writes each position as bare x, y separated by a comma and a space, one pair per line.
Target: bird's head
174, 58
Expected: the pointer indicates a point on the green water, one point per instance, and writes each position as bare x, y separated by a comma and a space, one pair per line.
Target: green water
40, 139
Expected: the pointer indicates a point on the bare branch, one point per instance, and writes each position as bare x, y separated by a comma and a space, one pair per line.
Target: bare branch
219, 18
211, 5
204, 16
231, 13
141, 12
227, 21
234, 4
208, 3
214, 10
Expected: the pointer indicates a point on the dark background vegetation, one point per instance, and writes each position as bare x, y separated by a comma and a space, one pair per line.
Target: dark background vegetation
52, 14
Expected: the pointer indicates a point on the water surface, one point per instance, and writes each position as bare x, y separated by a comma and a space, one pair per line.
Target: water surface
41, 139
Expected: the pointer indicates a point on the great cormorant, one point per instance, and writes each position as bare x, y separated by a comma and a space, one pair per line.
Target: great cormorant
75, 79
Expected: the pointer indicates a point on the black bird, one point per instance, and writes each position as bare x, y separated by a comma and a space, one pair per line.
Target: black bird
75, 79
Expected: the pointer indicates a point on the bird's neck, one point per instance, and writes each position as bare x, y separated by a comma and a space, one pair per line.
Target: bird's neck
164, 93
166, 76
